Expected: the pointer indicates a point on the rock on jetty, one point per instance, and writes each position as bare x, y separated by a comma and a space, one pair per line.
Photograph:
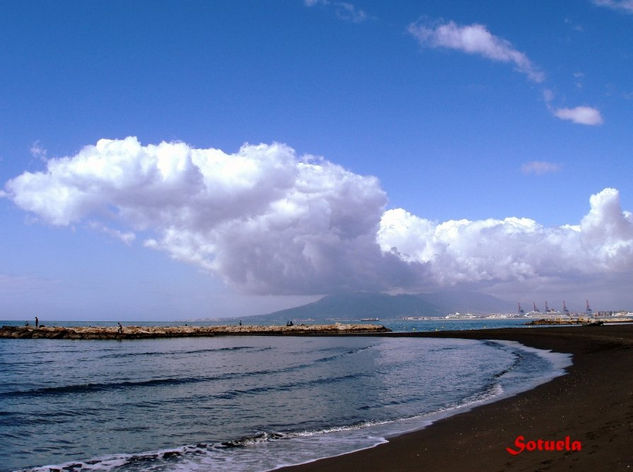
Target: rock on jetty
580, 321
556, 321
143, 332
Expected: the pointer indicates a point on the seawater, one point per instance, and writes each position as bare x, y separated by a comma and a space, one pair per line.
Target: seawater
239, 403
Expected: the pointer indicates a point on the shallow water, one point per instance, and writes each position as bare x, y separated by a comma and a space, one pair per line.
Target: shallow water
238, 403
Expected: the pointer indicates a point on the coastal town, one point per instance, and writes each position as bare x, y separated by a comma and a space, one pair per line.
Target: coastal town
547, 316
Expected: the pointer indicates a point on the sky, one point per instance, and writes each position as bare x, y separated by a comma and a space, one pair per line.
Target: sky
179, 160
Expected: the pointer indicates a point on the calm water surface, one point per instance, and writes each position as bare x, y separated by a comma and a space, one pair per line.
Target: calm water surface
238, 403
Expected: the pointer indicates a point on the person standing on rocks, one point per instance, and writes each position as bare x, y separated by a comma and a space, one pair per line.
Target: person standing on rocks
120, 328
37, 322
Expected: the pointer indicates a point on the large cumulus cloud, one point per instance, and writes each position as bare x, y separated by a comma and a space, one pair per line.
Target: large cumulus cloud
271, 222
264, 219
514, 249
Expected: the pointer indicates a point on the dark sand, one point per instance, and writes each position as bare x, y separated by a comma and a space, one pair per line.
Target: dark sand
593, 403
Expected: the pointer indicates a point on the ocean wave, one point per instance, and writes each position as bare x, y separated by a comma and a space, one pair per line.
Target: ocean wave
287, 386
196, 457
175, 353
99, 387
229, 394
128, 384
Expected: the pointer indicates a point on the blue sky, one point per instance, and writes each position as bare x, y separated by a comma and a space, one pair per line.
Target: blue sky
507, 116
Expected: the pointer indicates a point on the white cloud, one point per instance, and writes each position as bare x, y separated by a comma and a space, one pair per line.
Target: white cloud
344, 10
514, 249
579, 76
575, 26
548, 96
347, 11
263, 219
126, 237
268, 221
582, 115
622, 5
474, 39
539, 167
38, 151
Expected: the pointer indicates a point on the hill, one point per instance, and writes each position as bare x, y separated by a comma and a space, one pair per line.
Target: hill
364, 305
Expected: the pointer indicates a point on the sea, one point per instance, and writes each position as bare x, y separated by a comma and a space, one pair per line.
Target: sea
240, 403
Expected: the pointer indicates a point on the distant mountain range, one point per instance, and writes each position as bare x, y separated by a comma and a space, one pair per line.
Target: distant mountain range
370, 305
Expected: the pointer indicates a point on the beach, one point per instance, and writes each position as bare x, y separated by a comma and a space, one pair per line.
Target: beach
592, 404
189, 402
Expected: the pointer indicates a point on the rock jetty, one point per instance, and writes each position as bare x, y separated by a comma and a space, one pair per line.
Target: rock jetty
144, 332
556, 322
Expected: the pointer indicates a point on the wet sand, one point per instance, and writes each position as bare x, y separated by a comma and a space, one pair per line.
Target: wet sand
592, 404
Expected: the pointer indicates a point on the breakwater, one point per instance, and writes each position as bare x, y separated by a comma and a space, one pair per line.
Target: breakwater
145, 332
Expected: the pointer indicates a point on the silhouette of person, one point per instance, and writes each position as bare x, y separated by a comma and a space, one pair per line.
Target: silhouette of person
37, 322
120, 328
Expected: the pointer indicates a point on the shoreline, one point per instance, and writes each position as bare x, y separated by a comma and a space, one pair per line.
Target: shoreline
592, 403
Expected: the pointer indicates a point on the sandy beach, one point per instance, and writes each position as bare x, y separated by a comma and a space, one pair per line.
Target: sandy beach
592, 404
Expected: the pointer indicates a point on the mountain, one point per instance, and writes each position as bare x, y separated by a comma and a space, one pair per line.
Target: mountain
364, 305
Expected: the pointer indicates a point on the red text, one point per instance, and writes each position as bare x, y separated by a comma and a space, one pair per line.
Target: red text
520, 445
